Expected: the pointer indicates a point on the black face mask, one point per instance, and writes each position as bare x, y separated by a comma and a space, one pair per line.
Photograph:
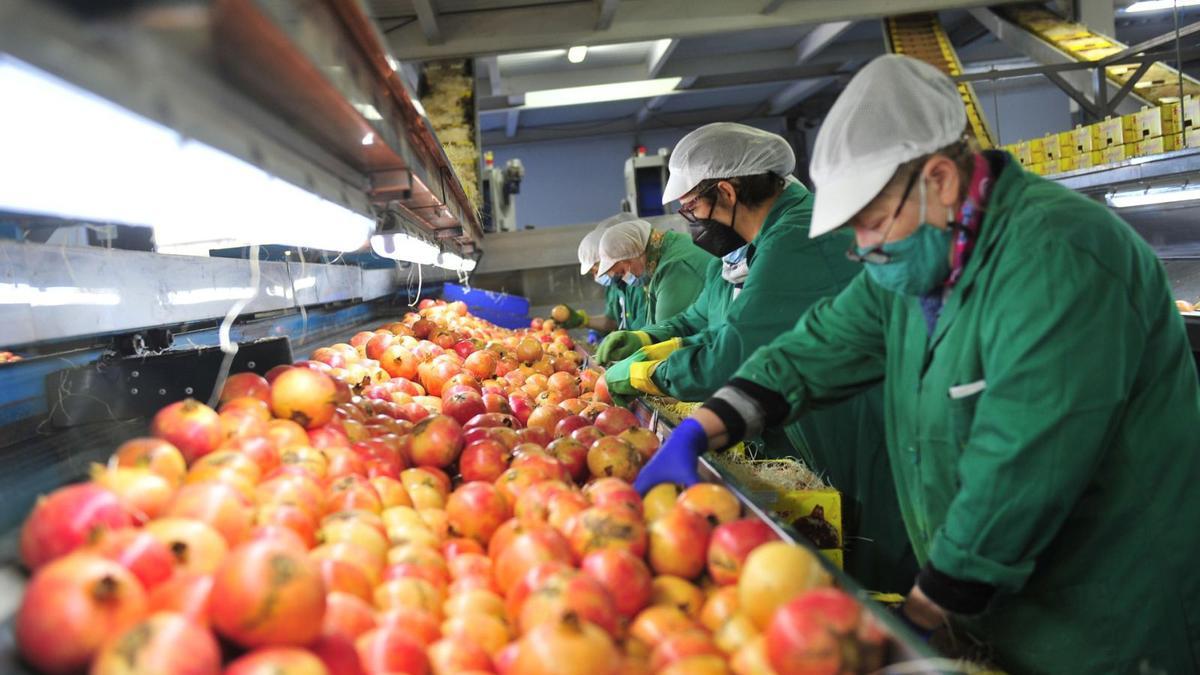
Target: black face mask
717, 238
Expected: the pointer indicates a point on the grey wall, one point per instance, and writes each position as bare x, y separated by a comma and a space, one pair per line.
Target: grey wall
1024, 108
583, 179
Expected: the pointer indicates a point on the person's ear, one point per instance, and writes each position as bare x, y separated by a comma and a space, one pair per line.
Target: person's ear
728, 195
943, 176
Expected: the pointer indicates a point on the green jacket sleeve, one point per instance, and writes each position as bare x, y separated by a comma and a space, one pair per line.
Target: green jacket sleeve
787, 276
836, 350
1059, 355
695, 318
612, 303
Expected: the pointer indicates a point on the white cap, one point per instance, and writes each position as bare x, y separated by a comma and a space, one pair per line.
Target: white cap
894, 110
589, 246
622, 242
725, 150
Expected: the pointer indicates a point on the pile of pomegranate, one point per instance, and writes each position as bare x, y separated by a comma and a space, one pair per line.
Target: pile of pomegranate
437, 496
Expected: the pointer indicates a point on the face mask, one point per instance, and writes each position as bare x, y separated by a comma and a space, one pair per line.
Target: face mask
604, 280
631, 279
717, 238
919, 262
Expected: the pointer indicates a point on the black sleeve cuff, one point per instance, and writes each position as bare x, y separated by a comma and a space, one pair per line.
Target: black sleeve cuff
956, 596
775, 406
735, 426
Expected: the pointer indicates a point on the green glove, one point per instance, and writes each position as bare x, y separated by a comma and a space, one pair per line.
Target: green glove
618, 379
621, 344
568, 317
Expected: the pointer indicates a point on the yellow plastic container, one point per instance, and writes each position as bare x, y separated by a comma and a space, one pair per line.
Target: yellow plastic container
816, 514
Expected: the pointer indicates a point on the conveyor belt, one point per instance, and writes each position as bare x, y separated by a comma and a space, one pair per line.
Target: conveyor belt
921, 36
1159, 85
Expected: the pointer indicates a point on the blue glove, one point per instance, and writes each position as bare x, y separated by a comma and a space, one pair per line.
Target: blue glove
675, 461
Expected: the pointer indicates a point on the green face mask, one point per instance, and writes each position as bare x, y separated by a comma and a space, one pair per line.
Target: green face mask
919, 262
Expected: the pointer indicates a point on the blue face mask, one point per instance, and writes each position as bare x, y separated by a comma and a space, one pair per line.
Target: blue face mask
631, 279
919, 262
737, 256
604, 280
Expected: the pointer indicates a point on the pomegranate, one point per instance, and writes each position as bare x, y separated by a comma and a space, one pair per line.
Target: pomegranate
68, 518
186, 593
161, 643
714, 502
304, 396
143, 493
614, 492
546, 418
682, 645
772, 575
217, 505
483, 460
528, 549
679, 543
567, 646
602, 527
71, 607
624, 575
823, 631
139, 552
189, 425
642, 440
456, 656
154, 454
278, 661
485, 630
659, 500
667, 589
587, 435
419, 624
615, 420
437, 441
720, 606
731, 544
612, 457
476, 510
267, 593
463, 405
390, 650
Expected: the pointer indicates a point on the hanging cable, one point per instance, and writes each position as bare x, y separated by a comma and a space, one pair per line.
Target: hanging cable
228, 346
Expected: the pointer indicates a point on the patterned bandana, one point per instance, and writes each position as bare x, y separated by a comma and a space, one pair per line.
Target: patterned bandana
970, 216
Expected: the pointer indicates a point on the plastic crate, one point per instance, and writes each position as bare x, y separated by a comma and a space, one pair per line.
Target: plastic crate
502, 309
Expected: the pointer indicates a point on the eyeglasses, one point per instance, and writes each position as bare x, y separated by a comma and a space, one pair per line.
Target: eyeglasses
876, 254
685, 210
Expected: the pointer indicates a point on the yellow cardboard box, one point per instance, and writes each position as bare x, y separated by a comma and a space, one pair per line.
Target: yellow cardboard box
1163, 120
1191, 137
1066, 144
1191, 112
1157, 146
1118, 153
1088, 160
1115, 131
816, 514
1051, 148
1084, 139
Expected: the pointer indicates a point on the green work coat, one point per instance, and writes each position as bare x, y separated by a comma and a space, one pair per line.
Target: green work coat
677, 277
845, 443
1043, 438
626, 305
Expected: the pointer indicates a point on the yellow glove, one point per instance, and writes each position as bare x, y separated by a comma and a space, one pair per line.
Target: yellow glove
661, 350
641, 376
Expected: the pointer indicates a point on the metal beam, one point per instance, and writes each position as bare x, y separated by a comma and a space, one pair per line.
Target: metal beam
819, 38
513, 121
795, 93
650, 106
1076, 95
608, 11
771, 6
1147, 45
563, 25
682, 120
659, 54
428, 20
1097, 15
491, 65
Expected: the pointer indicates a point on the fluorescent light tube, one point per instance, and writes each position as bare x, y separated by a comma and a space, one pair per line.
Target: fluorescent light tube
597, 93
577, 54
1157, 5
369, 138
127, 169
1123, 200
404, 247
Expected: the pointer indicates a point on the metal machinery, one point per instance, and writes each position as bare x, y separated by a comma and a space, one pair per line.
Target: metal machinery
500, 187
645, 179
137, 138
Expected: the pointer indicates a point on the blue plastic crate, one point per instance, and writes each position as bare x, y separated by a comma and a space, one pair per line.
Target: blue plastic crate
502, 309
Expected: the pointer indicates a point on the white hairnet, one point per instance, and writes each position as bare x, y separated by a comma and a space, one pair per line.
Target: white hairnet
725, 150
622, 242
589, 246
894, 110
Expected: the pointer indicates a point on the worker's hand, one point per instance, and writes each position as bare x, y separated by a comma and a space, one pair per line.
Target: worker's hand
618, 376
568, 317
675, 461
661, 350
920, 614
621, 344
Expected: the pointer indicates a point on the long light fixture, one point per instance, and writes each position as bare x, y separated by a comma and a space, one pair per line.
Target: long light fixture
1158, 5
124, 168
449, 260
405, 247
577, 54
1152, 196
598, 93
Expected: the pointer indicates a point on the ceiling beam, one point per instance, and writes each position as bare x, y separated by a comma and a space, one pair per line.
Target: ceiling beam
563, 25
796, 92
659, 53
682, 120
428, 20
608, 11
650, 106
491, 65
512, 123
819, 38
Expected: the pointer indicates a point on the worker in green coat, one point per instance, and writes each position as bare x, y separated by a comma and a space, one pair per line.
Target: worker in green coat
665, 266
1041, 398
624, 306
730, 180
